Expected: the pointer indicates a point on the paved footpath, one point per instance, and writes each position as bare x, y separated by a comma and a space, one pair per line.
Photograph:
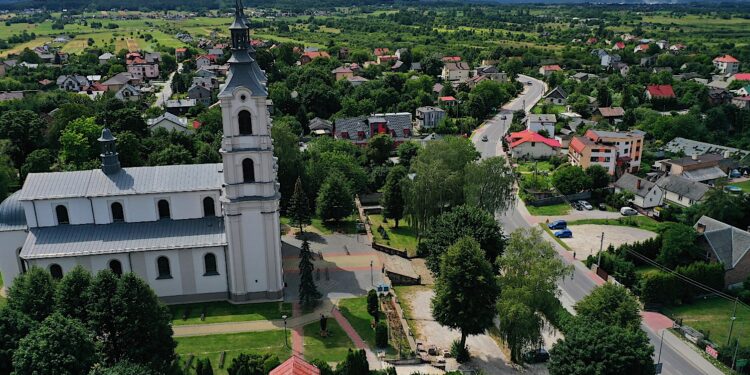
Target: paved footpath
298, 346
372, 359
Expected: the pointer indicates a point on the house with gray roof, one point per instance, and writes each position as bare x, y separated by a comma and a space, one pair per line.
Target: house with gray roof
728, 245
200, 93
556, 96
319, 126
360, 129
546, 122
682, 191
128, 93
72, 83
169, 122
646, 194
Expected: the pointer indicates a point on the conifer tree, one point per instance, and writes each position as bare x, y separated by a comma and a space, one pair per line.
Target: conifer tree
308, 292
299, 208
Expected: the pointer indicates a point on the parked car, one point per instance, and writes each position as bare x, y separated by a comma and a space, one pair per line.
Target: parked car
565, 233
484, 138
735, 173
586, 205
558, 224
536, 356
627, 211
602, 207
577, 206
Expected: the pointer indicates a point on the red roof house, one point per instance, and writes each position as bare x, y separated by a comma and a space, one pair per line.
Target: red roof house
742, 76
546, 70
295, 366
310, 56
446, 99
519, 138
660, 92
592, 40
381, 51
451, 59
726, 59
619, 45
529, 144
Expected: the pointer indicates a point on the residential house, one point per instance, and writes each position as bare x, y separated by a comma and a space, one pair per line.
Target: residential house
556, 96
609, 60
382, 59
320, 127
618, 46
447, 101
611, 114
741, 102
660, 92
308, 57
455, 72
179, 106
743, 91
492, 73
648, 60
119, 80
663, 44
705, 168
646, 194
72, 82
359, 130
216, 51
203, 72
200, 93
681, 191
450, 59
537, 123
169, 122
583, 77
429, 117
381, 51
105, 57
356, 80
10, 95
342, 72
128, 93
207, 82
675, 48
180, 53
726, 64
531, 145
719, 96
400, 52
141, 67
740, 77
641, 48
547, 70
203, 61
727, 245
617, 152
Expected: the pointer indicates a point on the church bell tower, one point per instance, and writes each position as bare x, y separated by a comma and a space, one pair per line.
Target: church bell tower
251, 193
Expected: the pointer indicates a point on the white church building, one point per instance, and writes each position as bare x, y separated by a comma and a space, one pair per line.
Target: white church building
193, 232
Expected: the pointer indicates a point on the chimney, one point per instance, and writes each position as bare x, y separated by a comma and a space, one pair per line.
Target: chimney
700, 228
695, 156
110, 160
637, 184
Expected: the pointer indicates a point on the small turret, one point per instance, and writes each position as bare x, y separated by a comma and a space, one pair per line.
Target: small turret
110, 160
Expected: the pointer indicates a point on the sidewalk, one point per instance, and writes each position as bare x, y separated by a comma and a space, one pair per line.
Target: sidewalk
372, 359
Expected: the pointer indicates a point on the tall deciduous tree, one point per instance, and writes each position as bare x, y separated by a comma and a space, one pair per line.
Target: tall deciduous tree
406, 152
570, 179
14, 326
465, 290
598, 176
610, 304
78, 143
286, 149
25, 130
33, 294
102, 313
335, 199
379, 149
299, 207
354, 364
529, 272
60, 345
489, 185
308, 292
72, 295
393, 195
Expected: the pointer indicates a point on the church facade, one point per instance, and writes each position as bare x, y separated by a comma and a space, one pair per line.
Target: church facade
194, 232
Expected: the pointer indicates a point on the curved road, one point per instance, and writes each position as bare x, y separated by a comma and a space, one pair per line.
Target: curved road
678, 358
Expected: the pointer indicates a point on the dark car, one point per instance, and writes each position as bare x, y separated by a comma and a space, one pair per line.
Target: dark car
565, 233
536, 356
602, 207
557, 224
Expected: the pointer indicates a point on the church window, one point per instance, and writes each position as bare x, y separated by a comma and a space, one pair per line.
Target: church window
118, 214
245, 121
56, 271
209, 208
62, 214
163, 206
210, 263
116, 267
23, 262
162, 264
248, 170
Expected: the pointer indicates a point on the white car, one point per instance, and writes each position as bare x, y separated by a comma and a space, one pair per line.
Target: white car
627, 211
586, 205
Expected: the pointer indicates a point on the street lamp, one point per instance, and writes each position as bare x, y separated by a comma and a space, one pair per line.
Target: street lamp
286, 343
372, 276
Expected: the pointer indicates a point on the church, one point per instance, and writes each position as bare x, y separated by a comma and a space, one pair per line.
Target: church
203, 232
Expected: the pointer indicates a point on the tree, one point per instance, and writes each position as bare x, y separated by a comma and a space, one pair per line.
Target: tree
678, 246
290, 167
593, 347
72, 295
489, 185
335, 199
33, 294
203, 367
38, 161
612, 305
465, 290
308, 292
25, 130
102, 313
406, 152
60, 345
379, 149
78, 143
460, 222
381, 335
570, 179
354, 364
171, 155
14, 326
373, 304
393, 195
126, 368
7, 175
253, 364
529, 273
598, 176
299, 208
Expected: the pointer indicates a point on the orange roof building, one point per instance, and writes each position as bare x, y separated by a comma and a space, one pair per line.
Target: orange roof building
295, 366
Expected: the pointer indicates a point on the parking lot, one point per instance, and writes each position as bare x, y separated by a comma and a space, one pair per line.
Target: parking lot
587, 237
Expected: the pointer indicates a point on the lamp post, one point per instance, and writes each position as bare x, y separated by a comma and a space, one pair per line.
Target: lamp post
372, 276
601, 245
286, 343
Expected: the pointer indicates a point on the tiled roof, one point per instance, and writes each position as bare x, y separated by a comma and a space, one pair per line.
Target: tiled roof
519, 138
295, 366
684, 187
398, 123
742, 76
559, 91
700, 159
552, 67
612, 111
91, 239
661, 91
542, 118
128, 181
456, 66
726, 59
730, 244
629, 182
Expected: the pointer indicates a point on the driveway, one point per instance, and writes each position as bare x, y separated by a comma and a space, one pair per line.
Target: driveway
587, 237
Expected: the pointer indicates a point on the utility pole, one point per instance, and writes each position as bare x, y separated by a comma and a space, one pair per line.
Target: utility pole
732, 319
601, 245
661, 344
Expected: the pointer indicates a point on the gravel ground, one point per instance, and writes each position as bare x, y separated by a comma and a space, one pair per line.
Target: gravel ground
586, 238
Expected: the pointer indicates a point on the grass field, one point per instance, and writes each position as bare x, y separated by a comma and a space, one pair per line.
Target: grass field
712, 316
355, 311
641, 222
403, 237
234, 344
553, 210
222, 312
744, 185
528, 167
329, 349
548, 108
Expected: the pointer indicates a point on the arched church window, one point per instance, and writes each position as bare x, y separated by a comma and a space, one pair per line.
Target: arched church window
246, 123
116, 267
163, 206
210, 263
56, 271
209, 209
62, 214
162, 264
248, 170
117, 212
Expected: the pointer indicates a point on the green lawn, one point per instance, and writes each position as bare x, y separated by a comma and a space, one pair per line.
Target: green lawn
745, 185
355, 311
346, 226
403, 237
221, 312
234, 344
553, 210
330, 349
540, 166
548, 109
641, 222
712, 316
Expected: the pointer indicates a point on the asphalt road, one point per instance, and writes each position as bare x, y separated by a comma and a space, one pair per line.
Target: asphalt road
573, 289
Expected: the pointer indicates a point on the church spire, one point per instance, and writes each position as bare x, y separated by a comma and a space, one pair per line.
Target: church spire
238, 29
110, 159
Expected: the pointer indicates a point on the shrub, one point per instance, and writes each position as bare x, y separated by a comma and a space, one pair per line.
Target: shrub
659, 287
373, 304
381, 335
461, 354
